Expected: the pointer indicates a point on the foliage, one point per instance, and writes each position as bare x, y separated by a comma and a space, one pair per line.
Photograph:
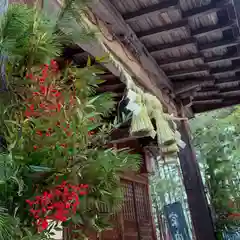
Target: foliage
52, 125
217, 143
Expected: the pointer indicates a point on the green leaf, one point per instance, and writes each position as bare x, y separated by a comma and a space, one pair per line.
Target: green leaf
40, 168
77, 219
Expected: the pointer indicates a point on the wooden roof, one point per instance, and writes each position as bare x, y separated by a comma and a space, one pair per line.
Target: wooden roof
194, 44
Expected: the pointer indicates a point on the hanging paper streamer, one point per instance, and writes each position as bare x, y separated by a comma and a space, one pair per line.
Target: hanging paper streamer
132, 105
177, 134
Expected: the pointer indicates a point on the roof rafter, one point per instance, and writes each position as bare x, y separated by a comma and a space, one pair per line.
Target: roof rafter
105, 11
164, 6
168, 61
219, 44
214, 6
227, 79
227, 56
230, 84
229, 94
207, 101
206, 93
188, 71
165, 46
225, 103
184, 87
184, 23
159, 7
202, 31
221, 70
167, 27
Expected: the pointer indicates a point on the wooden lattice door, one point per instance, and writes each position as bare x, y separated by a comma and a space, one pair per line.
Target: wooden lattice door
136, 212
134, 222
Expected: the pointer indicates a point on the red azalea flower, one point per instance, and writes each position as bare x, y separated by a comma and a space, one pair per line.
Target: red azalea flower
44, 90
29, 202
36, 94
44, 224
55, 93
29, 76
57, 204
42, 105
48, 134
59, 107
64, 145
27, 114
67, 205
39, 133
31, 107
90, 133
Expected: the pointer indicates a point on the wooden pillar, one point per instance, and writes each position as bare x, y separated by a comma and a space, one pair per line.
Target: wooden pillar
197, 201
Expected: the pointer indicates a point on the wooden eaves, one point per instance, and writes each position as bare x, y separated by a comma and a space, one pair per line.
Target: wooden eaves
212, 48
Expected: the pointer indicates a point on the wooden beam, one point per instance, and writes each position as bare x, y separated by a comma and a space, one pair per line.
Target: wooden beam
184, 23
122, 135
203, 98
188, 71
202, 31
108, 77
189, 93
227, 85
207, 101
206, 93
197, 79
184, 87
180, 86
227, 79
180, 59
105, 12
214, 106
221, 70
165, 46
164, 28
111, 88
230, 88
219, 44
214, 6
230, 94
209, 88
197, 200
207, 83
227, 56
159, 7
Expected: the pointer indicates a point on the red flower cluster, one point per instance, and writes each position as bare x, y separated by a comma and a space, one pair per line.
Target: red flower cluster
44, 90
234, 215
46, 93
56, 204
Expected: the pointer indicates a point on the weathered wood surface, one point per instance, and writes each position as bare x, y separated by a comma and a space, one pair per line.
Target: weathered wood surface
186, 35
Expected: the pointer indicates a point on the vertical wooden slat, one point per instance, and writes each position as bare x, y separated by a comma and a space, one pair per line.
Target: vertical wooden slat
137, 211
129, 212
